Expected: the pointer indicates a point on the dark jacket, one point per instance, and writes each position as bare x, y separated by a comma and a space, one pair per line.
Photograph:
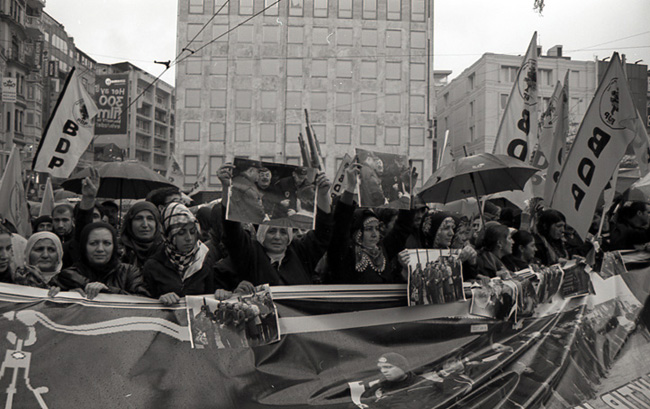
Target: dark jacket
71, 251
122, 279
624, 237
162, 277
253, 264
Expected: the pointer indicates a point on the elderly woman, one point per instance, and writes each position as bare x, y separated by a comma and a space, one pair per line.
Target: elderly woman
7, 265
43, 262
180, 266
549, 239
99, 268
141, 233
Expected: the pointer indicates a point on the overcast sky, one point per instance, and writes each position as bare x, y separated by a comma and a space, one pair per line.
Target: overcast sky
141, 31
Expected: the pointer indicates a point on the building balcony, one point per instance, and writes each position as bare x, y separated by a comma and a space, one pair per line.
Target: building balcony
34, 22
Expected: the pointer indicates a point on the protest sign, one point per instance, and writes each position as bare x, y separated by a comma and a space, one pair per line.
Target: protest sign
272, 193
385, 179
435, 277
338, 187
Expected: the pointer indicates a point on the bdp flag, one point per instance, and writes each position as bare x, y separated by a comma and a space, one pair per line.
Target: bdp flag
13, 205
602, 139
518, 129
201, 182
47, 204
69, 131
557, 143
175, 172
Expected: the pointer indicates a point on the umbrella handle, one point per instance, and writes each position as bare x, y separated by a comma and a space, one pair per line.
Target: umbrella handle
478, 202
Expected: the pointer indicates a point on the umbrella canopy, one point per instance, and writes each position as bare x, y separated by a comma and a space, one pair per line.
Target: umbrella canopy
121, 180
475, 176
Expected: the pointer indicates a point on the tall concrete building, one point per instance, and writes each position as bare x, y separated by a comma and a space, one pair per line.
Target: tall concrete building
361, 68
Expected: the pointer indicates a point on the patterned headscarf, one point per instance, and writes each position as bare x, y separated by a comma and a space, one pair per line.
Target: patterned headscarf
174, 218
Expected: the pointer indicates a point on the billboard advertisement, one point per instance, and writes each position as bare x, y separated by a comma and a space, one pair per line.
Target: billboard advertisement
111, 98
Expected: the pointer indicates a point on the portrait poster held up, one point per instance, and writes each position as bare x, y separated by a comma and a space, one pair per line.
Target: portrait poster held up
435, 277
385, 180
238, 322
273, 194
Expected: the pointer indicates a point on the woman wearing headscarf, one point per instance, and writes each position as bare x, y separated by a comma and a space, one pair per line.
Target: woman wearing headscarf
99, 268
7, 264
180, 266
43, 262
141, 233
549, 239
494, 243
358, 254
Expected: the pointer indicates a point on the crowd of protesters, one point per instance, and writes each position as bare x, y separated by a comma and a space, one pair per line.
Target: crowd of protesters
162, 249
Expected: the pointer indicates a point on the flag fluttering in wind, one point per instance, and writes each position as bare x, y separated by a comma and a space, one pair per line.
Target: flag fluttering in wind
557, 141
517, 132
13, 205
175, 172
604, 135
69, 131
47, 204
201, 182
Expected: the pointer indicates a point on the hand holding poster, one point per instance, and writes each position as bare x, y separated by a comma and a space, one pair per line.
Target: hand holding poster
385, 180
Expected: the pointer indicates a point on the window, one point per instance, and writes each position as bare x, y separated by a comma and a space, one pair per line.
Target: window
370, 9
218, 98
319, 68
193, 66
294, 99
245, 7
244, 34
320, 35
417, 104
508, 74
320, 8
270, 66
294, 35
190, 168
546, 77
418, 72
295, 8
471, 133
243, 98
193, 30
343, 101
392, 135
416, 136
393, 70
344, 36
271, 7
368, 135
292, 132
369, 37
369, 69
345, 8
574, 79
196, 7
342, 134
368, 102
394, 103
503, 101
393, 38
293, 160
215, 164
394, 10
192, 131
244, 66
418, 39
271, 34
471, 80
267, 133
319, 100
344, 69
417, 10
192, 98
217, 132
269, 99
319, 131
471, 109
294, 67
219, 33
242, 132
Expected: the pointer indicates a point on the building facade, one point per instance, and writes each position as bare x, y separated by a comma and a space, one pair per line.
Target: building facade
360, 68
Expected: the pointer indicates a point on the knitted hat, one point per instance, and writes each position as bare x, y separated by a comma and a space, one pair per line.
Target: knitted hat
394, 359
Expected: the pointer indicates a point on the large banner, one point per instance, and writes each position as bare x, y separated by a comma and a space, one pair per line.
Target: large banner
341, 347
112, 96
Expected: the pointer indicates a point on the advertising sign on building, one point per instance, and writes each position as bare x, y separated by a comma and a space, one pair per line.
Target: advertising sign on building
111, 98
9, 89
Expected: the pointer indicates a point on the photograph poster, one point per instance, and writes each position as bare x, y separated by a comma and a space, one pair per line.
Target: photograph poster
435, 277
385, 180
272, 193
239, 322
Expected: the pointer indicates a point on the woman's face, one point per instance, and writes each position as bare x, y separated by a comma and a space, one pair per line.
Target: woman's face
143, 225
99, 247
43, 255
528, 251
186, 238
556, 231
276, 240
444, 234
506, 244
371, 233
6, 252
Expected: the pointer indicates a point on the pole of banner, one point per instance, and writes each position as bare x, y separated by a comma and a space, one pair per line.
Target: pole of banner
609, 199
478, 202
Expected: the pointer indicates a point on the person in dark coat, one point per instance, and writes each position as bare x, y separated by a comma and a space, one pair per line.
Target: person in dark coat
549, 239
494, 243
7, 265
180, 266
631, 229
141, 233
99, 268
523, 251
43, 262
273, 257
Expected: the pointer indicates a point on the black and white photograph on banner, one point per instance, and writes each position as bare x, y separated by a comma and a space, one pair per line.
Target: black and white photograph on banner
576, 282
486, 300
272, 193
435, 277
241, 321
385, 179
550, 279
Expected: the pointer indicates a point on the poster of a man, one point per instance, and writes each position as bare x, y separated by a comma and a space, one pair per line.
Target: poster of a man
385, 179
435, 277
272, 193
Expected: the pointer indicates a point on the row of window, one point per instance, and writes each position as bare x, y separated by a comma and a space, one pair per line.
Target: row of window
342, 133
341, 36
320, 8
